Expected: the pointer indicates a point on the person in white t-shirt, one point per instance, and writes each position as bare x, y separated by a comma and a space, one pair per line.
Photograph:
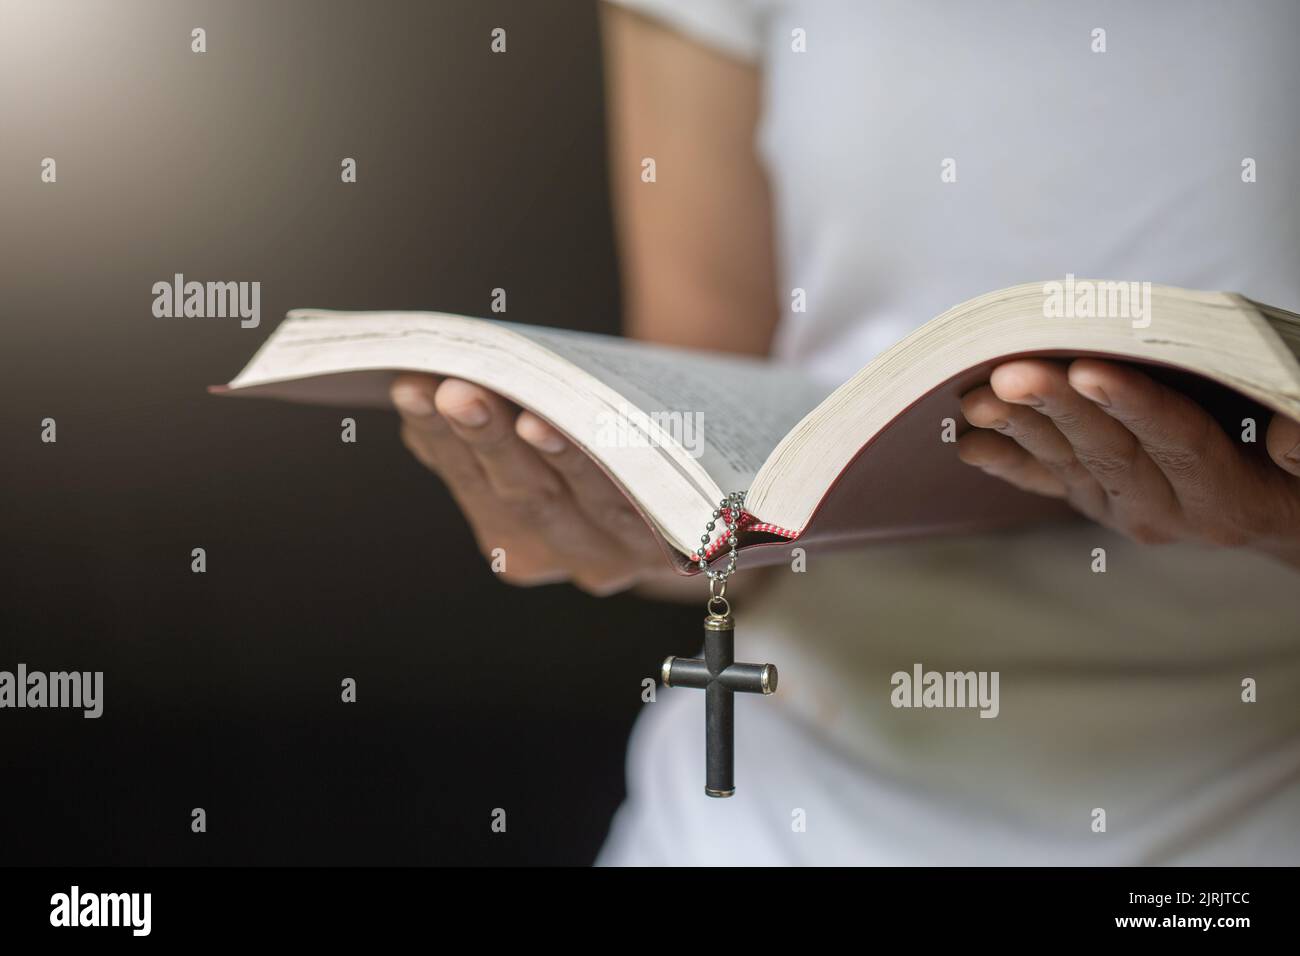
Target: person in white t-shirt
891, 160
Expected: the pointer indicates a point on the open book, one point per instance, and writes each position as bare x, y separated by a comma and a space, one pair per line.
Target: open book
677, 430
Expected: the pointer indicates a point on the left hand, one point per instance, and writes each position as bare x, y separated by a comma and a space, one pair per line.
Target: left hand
1135, 456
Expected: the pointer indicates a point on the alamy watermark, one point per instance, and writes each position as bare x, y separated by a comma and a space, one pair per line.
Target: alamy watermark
76, 908
1086, 299
922, 688
626, 428
36, 689
208, 300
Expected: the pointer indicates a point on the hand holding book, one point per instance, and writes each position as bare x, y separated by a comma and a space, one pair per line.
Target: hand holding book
525, 488
674, 430
1135, 455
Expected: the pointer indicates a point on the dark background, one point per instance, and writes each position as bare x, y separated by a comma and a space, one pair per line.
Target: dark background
325, 560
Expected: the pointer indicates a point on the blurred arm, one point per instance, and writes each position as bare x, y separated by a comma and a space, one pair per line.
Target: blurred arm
696, 247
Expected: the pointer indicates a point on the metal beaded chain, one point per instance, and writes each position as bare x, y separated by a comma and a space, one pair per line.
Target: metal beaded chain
728, 510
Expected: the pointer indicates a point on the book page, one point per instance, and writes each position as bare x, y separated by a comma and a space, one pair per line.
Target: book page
727, 411
720, 414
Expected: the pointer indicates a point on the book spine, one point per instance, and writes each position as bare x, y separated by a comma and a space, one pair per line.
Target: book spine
747, 522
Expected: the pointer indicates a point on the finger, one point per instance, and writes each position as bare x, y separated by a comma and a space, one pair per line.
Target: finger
485, 422
535, 494
544, 541
1039, 437
1031, 431
1199, 461
448, 458
412, 394
1137, 494
428, 436
430, 439
597, 495
983, 409
1003, 458
1283, 443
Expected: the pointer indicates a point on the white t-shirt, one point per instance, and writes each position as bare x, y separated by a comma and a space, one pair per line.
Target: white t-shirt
1119, 691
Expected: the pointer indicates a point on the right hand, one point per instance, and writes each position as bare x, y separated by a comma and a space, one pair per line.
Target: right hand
525, 488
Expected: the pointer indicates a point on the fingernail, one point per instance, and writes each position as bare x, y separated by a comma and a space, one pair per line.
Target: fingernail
551, 442
413, 401
1094, 393
473, 415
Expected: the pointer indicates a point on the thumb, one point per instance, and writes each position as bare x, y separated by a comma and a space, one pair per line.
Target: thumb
1283, 443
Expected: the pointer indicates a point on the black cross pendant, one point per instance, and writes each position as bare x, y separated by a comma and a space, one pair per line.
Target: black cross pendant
720, 676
